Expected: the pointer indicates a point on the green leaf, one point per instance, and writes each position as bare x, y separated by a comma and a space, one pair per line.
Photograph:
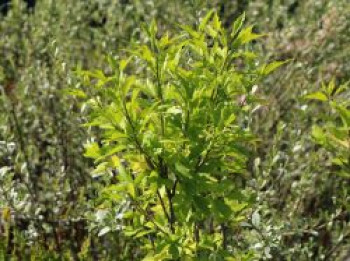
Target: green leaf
344, 114
123, 63
92, 150
330, 89
182, 170
127, 85
163, 255
221, 209
246, 36
318, 134
164, 41
316, 96
124, 175
202, 204
109, 151
237, 25
211, 31
230, 120
235, 205
76, 93
132, 232
142, 233
267, 69
174, 251
147, 54
153, 28
216, 22
190, 31
205, 20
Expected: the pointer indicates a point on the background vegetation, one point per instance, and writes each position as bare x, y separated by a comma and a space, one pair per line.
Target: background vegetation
298, 175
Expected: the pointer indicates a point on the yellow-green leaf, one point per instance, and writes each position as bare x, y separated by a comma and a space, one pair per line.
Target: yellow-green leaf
268, 68
316, 96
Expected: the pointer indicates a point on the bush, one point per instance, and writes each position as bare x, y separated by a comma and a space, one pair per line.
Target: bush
175, 141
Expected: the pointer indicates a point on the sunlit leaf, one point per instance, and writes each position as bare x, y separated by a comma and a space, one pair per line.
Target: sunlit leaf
316, 96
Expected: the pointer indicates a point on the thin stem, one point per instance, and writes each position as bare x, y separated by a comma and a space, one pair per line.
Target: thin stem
171, 209
224, 235
135, 138
163, 206
162, 165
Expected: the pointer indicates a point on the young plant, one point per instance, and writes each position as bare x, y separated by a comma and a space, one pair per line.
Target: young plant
174, 138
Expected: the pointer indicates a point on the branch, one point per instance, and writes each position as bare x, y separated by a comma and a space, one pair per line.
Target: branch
163, 206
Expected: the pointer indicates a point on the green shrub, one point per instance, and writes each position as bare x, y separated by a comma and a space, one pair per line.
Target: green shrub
173, 135
44, 177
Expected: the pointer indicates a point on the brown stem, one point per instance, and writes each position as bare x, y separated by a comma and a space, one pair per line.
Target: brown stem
224, 236
163, 206
196, 232
171, 210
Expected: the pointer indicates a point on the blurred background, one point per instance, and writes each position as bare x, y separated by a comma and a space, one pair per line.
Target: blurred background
46, 189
